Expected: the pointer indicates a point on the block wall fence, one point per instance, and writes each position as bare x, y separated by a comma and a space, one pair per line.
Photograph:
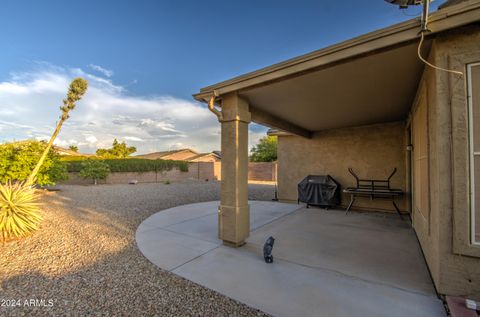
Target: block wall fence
197, 171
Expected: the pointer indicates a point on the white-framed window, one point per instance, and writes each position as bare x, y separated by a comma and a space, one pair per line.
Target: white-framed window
473, 89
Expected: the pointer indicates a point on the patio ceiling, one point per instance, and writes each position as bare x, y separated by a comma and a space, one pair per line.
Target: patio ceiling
369, 79
372, 89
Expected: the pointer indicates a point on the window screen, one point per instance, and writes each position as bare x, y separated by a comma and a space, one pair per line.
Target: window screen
473, 78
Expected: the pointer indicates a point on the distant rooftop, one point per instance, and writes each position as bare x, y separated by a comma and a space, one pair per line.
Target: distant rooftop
180, 154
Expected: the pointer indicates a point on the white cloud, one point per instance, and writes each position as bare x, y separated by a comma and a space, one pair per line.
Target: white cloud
65, 143
133, 138
29, 109
12, 88
48, 83
104, 71
91, 139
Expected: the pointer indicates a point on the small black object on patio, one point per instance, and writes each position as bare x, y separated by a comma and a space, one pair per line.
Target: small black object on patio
267, 250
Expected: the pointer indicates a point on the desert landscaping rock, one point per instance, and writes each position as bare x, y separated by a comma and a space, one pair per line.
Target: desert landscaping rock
84, 260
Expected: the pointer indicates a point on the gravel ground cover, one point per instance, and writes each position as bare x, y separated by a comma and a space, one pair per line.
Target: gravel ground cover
84, 260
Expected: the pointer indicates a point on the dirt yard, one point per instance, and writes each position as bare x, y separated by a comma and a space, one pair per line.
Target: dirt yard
84, 260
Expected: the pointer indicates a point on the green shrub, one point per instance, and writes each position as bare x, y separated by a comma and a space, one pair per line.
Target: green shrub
94, 169
18, 159
135, 165
131, 165
167, 165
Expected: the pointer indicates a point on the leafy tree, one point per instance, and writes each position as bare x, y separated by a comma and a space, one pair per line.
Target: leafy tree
73, 148
94, 169
265, 150
118, 150
18, 159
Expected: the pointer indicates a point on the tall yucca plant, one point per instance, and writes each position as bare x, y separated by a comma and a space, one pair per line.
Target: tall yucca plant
19, 208
77, 89
19, 214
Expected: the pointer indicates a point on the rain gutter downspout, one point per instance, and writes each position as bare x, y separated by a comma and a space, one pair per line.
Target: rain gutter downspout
211, 106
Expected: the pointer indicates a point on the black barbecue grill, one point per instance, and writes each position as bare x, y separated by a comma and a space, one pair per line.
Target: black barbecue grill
319, 190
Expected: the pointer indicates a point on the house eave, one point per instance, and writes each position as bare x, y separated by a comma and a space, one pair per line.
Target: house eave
448, 18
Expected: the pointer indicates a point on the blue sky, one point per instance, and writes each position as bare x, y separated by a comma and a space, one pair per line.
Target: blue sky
144, 59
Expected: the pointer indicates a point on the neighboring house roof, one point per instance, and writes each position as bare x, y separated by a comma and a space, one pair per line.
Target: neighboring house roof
181, 155
346, 84
205, 157
169, 155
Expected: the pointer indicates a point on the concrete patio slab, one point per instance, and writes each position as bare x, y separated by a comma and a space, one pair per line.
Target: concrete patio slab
177, 235
178, 214
204, 228
168, 249
289, 289
326, 263
372, 246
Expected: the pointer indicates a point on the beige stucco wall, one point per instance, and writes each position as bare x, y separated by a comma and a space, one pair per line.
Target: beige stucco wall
427, 229
217, 170
372, 151
453, 261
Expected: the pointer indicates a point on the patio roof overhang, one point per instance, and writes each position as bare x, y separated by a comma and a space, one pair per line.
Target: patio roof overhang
369, 79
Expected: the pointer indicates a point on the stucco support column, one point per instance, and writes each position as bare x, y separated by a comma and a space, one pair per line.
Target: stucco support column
234, 211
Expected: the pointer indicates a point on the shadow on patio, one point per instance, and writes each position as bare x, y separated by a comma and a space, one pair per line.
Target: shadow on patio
326, 263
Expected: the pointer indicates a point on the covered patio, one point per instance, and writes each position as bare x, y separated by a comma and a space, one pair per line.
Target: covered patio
342, 86
347, 106
326, 263
366, 104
